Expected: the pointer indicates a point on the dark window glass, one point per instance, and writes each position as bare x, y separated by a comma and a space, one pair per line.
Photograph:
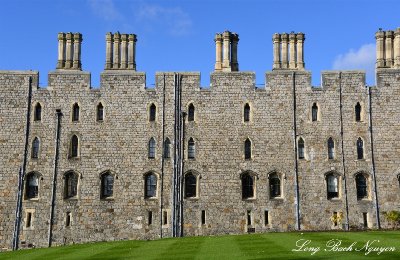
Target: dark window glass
246, 113
274, 186
74, 146
266, 218
247, 149
203, 217
191, 112
35, 148
100, 112
68, 219
75, 112
165, 218
167, 148
190, 185
314, 111
191, 149
301, 148
365, 219
38, 112
32, 186
71, 185
107, 185
151, 185
247, 186
361, 185
29, 219
150, 218
152, 113
331, 148
332, 186
152, 148
360, 149
249, 218
358, 112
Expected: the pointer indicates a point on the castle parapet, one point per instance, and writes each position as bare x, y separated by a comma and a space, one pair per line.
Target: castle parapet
291, 45
69, 51
120, 51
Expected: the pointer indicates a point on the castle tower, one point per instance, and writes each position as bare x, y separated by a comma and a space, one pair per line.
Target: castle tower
120, 51
388, 49
69, 51
226, 45
288, 51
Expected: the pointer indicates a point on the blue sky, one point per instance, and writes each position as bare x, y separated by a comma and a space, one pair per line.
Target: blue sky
178, 35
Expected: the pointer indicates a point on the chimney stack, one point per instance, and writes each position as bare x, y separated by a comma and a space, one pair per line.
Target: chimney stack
288, 51
226, 45
69, 51
120, 51
388, 49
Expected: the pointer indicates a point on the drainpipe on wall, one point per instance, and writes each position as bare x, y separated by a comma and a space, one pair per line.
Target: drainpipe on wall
162, 160
296, 167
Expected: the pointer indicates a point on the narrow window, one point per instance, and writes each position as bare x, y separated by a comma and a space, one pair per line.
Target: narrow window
152, 148
247, 186
35, 148
191, 149
37, 116
165, 217
68, 219
191, 112
247, 149
274, 186
152, 113
246, 113
249, 217
266, 218
365, 219
150, 218
29, 219
150, 185
331, 148
74, 146
357, 111
167, 148
300, 146
70, 185
203, 217
335, 219
107, 185
75, 112
32, 188
314, 112
332, 186
190, 185
361, 186
360, 149
100, 112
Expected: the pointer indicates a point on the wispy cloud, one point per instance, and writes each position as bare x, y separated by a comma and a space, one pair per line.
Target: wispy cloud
362, 58
174, 20
105, 9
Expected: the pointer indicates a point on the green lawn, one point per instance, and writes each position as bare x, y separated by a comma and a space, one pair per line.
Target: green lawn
256, 246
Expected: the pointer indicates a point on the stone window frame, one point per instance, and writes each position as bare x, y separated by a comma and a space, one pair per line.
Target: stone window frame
167, 148
68, 214
97, 111
304, 153
39, 177
367, 188
358, 149
191, 114
75, 118
281, 178
67, 196
152, 114
71, 154
197, 176
145, 175
398, 179
166, 213
254, 177
35, 154
191, 148
318, 115
27, 212
152, 148
361, 112
247, 113
101, 176
333, 148
246, 151
37, 116
338, 176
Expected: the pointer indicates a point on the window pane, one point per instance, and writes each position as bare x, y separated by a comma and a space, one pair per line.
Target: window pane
246, 113
152, 113
301, 148
247, 149
100, 111
360, 149
191, 149
190, 186
191, 113
247, 186
314, 112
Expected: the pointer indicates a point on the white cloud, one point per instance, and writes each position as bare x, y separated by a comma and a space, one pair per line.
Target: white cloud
105, 9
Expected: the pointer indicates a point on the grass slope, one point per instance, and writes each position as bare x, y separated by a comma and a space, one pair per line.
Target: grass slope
256, 246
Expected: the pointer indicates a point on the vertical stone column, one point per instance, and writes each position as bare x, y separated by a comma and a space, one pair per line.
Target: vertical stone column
396, 48
132, 51
117, 38
77, 51
277, 47
380, 48
234, 48
389, 49
109, 50
226, 62
300, 50
61, 51
292, 53
284, 38
68, 51
124, 51
218, 52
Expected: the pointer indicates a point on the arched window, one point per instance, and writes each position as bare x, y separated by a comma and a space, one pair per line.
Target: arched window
332, 186
246, 113
331, 148
274, 186
247, 186
167, 148
357, 111
100, 112
314, 112
360, 149
35, 148
361, 185
152, 148
191, 112
191, 149
37, 115
74, 146
75, 112
150, 185
247, 149
190, 185
152, 113
107, 185
32, 186
300, 147
70, 185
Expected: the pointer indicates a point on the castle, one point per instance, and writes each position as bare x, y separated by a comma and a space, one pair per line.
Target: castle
128, 162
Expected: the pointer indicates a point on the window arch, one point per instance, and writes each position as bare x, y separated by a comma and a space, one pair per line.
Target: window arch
167, 148
107, 185
314, 112
70, 185
190, 185
191, 149
300, 148
274, 185
191, 112
331, 148
37, 115
152, 113
150, 185
35, 148
247, 149
32, 186
100, 112
361, 186
360, 149
332, 186
152, 148
246, 113
74, 149
247, 186
357, 110
75, 112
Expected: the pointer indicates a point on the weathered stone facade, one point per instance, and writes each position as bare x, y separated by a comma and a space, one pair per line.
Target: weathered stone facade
280, 115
